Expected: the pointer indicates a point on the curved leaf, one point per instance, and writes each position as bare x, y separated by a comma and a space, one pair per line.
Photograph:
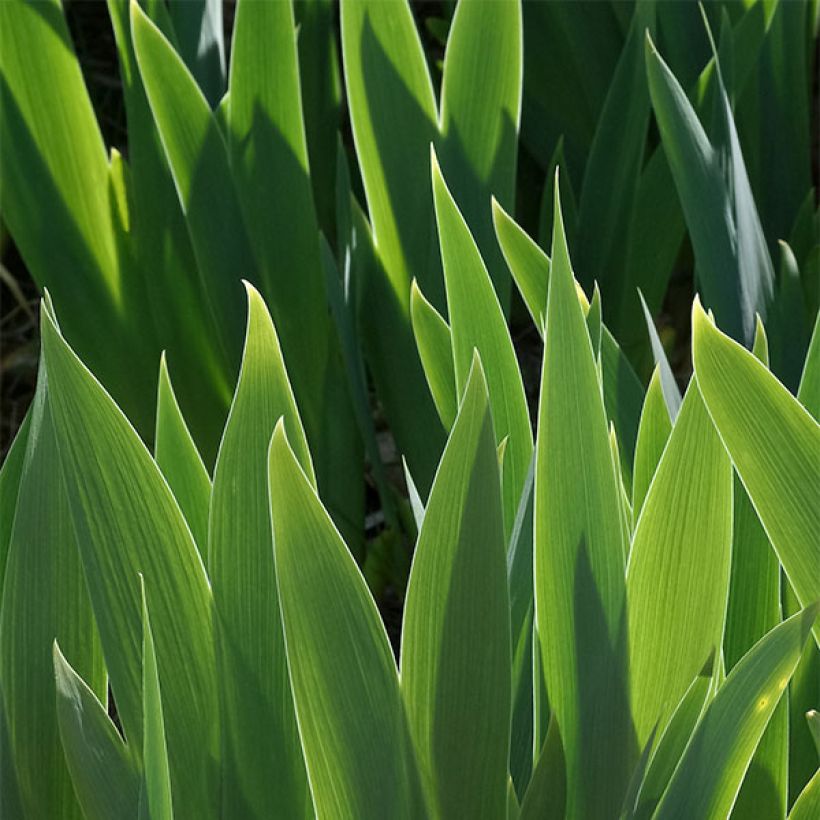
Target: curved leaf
677, 580
177, 456
774, 444
104, 773
345, 684
259, 725
121, 533
707, 780
456, 655
477, 322
435, 344
579, 557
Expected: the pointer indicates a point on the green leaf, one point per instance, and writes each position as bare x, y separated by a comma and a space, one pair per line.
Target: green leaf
809, 392
416, 503
623, 393
120, 534
670, 744
579, 556
435, 344
804, 695
456, 654
198, 26
156, 240
10, 471
259, 725
669, 385
707, 780
269, 161
403, 391
155, 794
394, 119
321, 83
545, 798
570, 55
44, 599
479, 118
787, 322
177, 456
613, 167
393, 116
198, 159
807, 804
678, 574
813, 720
653, 433
104, 773
477, 323
343, 310
774, 444
528, 264
345, 684
57, 202
733, 264
754, 608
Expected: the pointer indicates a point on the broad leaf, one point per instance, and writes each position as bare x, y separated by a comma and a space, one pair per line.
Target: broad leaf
104, 772
774, 444
733, 264
456, 655
198, 159
477, 323
262, 762
351, 718
479, 117
678, 574
707, 780
199, 28
579, 557
754, 608
122, 533
44, 599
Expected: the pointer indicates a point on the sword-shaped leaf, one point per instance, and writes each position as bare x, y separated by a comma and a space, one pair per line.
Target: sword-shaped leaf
128, 522
477, 323
262, 762
678, 574
579, 557
44, 599
733, 263
456, 655
177, 456
351, 718
155, 794
707, 780
434, 340
104, 772
198, 159
754, 608
774, 444
653, 433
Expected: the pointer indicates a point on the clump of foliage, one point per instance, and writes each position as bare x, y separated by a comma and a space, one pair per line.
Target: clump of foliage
612, 606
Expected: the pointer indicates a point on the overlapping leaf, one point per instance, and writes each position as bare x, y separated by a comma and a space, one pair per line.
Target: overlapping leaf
351, 718
121, 532
259, 725
456, 655
579, 557
774, 444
